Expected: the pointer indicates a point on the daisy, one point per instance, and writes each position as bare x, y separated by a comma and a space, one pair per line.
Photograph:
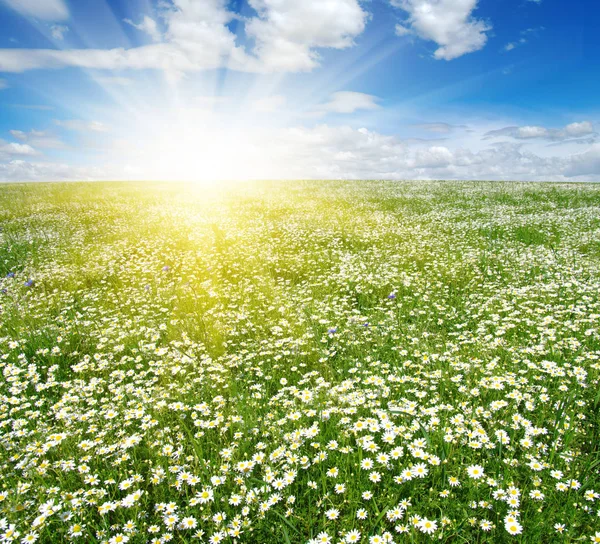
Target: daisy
475, 471
332, 513
427, 526
352, 536
323, 538
514, 528
189, 523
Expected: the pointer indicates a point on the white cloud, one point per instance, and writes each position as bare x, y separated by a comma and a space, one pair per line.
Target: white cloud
22, 170
526, 132
533, 132
3, 84
58, 31
287, 32
448, 23
14, 148
347, 102
287, 35
148, 25
82, 126
324, 152
433, 157
585, 164
579, 129
19, 135
48, 10
39, 139
196, 38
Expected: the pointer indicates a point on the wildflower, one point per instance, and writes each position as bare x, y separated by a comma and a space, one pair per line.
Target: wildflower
485, 525
513, 527
323, 538
189, 523
217, 537
375, 477
420, 470
367, 463
475, 471
352, 536
427, 526
332, 513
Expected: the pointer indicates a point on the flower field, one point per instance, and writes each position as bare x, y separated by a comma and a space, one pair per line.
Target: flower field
300, 362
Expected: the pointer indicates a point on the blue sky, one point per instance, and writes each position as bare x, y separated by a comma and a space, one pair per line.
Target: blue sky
211, 89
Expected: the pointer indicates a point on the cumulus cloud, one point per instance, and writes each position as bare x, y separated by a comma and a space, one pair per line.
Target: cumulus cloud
14, 148
579, 129
286, 34
448, 23
328, 152
343, 152
47, 10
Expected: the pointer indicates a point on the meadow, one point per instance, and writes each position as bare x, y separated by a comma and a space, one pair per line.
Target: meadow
300, 362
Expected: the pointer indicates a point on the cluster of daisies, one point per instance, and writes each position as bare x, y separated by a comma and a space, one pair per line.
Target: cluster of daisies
311, 362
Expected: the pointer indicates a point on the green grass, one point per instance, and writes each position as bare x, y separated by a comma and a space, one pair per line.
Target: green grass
265, 342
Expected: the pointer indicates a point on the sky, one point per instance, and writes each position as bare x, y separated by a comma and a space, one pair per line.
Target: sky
207, 90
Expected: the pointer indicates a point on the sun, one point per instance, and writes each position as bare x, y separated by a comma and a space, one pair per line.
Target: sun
200, 147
